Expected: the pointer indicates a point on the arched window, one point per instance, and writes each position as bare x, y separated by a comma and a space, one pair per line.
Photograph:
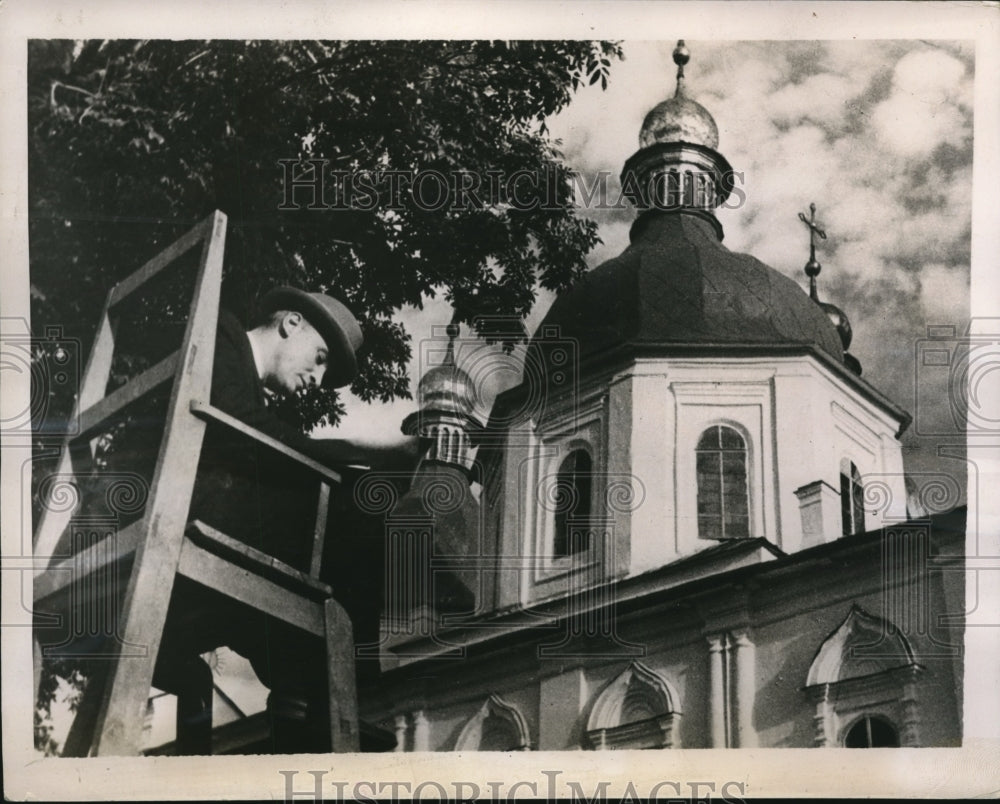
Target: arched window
871, 732
864, 683
572, 504
638, 709
723, 499
852, 512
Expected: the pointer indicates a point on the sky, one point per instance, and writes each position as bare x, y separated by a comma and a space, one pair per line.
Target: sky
878, 134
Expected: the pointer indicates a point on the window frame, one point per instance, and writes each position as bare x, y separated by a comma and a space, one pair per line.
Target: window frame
852, 509
721, 451
867, 718
563, 520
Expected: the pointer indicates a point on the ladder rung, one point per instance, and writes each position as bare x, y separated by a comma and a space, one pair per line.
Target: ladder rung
245, 586
257, 561
97, 414
58, 577
134, 281
212, 413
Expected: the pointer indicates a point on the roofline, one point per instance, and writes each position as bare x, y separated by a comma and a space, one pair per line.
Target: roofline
630, 350
624, 601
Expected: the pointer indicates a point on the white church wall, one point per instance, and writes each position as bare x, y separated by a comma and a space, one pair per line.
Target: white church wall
649, 532
641, 427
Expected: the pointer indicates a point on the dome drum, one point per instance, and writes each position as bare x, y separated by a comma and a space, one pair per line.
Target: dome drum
671, 176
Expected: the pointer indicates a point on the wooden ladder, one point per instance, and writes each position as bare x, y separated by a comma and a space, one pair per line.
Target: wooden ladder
147, 555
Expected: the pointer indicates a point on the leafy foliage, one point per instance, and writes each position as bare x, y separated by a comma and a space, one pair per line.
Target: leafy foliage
134, 141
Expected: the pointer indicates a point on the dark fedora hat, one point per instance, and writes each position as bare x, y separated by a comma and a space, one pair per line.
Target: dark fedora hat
334, 322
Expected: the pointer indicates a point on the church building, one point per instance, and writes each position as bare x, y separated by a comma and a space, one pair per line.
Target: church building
689, 526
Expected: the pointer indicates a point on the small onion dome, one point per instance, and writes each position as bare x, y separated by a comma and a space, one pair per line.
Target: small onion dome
679, 119
839, 319
446, 388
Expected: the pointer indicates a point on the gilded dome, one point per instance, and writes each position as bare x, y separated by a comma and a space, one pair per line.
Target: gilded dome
679, 119
445, 388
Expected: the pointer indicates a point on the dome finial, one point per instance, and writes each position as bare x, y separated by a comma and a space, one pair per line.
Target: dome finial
812, 267
837, 316
681, 57
451, 331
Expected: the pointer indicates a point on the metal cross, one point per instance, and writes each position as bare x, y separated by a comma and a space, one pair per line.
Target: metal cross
812, 267
814, 229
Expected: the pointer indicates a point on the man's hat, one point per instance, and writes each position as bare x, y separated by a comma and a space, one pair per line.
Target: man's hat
332, 320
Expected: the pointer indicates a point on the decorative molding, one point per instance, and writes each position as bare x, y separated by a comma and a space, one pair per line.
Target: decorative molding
861, 434
845, 682
702, 392
637, 709
470, 738
843, 650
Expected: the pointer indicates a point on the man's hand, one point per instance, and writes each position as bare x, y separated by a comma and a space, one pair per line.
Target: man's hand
401, 455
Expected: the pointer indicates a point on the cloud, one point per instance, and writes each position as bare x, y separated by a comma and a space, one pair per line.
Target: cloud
944, 290
923, 111
820, 98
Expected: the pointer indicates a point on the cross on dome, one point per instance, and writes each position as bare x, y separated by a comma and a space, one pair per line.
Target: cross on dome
813, 267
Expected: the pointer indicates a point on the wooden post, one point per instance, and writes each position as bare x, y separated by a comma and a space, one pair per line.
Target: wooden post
340, 679
52, 523
119, 724
319, 530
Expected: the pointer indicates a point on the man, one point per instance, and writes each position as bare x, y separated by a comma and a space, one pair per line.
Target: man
302, 340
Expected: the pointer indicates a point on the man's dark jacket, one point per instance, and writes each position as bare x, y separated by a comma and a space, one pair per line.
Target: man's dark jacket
246, 490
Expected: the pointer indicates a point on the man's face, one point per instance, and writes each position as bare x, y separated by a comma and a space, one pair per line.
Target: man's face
301, 356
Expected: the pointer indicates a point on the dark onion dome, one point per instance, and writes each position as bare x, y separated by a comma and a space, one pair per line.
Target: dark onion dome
677, 285
679, 119
839, 319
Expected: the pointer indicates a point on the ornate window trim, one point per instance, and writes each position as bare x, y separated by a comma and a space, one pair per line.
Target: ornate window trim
604, 727
865, 667
471, 735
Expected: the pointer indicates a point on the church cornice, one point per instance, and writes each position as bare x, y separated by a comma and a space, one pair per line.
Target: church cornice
620, 356
662, 585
